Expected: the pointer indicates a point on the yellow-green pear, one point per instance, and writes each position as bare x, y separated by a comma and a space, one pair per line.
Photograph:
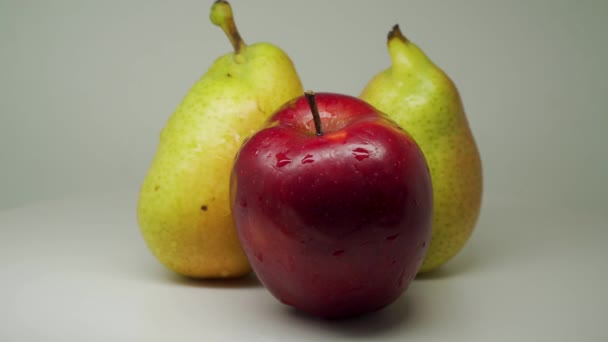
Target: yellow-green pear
184, 209
424, 101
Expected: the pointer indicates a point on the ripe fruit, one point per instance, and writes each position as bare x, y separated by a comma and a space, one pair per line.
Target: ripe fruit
333, 209
184, 209
423, 100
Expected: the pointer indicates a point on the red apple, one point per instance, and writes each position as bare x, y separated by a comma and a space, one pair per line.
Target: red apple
332, 205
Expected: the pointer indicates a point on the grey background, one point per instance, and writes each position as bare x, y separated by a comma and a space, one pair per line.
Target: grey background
87, 85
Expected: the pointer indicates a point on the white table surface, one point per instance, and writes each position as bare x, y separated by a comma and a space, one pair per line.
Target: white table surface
77, 269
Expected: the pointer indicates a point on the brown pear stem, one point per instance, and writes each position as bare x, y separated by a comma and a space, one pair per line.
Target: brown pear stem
396, 33
310, 96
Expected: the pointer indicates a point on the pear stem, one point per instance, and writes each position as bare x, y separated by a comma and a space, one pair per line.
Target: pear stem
310, 96
403, 53
396, 33
221, 15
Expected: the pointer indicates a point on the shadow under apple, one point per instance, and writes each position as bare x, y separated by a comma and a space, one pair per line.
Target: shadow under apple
386, 321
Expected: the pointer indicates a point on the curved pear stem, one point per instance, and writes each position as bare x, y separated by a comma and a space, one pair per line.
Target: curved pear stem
221, 15
310, 96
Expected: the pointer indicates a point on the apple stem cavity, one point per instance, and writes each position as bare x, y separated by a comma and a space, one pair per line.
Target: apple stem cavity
310, 96
221, 15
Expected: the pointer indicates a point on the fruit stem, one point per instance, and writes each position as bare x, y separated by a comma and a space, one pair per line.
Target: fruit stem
310, 96
404, 54
397, 48
396, 33
221, 15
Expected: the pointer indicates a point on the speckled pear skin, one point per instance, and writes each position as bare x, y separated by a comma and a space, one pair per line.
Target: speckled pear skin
183, 210
424, 101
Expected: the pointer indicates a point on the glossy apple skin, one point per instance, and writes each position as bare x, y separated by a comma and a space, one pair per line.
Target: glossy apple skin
337, 224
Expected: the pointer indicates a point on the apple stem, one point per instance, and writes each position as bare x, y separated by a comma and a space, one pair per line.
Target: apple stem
310, 96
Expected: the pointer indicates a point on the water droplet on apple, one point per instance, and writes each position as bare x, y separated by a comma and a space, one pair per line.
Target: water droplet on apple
282, 159
360, 153
338, 252
392, 237
308, 159
259, 256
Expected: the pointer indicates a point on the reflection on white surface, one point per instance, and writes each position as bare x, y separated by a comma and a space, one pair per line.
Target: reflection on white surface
77, 269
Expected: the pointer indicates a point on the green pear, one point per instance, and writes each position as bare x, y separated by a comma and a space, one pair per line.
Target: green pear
424, 101
184, 209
